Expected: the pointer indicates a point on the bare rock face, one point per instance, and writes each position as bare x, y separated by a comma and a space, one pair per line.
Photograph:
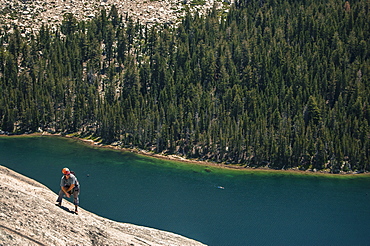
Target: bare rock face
28, 216
31, 14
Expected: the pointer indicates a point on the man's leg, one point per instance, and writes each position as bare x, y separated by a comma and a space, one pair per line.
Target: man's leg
60, 197
76, 200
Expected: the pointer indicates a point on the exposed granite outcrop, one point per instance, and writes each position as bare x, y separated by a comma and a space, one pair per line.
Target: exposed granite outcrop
28, 216
31, 14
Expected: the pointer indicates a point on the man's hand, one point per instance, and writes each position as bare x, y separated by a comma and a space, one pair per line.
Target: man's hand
65, 190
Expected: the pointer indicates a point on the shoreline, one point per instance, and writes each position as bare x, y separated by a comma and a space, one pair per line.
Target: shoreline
196, 162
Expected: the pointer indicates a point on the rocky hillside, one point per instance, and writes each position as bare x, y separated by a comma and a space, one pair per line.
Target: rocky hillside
28, 216
31, 14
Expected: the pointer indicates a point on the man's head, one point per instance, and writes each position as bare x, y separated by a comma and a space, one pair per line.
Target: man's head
66, 171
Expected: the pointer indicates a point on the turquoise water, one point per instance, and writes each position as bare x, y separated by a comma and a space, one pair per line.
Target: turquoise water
252, 209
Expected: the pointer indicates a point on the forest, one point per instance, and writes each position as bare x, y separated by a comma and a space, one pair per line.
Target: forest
271, 83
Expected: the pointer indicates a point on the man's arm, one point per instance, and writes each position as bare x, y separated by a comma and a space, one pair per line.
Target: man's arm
65, 190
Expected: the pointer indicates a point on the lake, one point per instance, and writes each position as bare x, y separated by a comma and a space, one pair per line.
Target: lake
212, 205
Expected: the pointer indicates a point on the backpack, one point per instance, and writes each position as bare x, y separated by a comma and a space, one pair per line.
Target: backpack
77, 187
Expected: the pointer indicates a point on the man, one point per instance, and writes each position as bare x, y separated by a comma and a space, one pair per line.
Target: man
69, 186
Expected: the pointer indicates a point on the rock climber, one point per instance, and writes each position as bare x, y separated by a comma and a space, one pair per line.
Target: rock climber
69, 186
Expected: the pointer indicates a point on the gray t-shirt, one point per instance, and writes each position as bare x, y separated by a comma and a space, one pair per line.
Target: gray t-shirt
68, 182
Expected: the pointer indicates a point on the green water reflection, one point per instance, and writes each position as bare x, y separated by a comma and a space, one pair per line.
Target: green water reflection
253, 208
